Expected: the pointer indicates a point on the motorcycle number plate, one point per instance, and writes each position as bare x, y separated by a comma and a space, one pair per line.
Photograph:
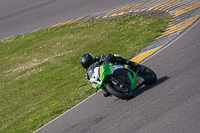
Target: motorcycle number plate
141, 80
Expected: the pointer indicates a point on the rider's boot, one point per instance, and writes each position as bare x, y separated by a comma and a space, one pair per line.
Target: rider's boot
106, 94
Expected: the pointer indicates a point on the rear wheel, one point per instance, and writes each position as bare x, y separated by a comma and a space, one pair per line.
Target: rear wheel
122, 93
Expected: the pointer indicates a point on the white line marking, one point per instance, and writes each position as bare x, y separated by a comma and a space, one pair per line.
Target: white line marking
66, 112
183, 33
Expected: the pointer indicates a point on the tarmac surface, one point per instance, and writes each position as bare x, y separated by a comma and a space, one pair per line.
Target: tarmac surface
172, 105
24, 16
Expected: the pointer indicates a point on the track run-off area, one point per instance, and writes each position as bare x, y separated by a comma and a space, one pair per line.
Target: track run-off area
184, 12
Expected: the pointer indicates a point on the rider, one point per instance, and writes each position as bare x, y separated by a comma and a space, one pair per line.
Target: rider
87, 59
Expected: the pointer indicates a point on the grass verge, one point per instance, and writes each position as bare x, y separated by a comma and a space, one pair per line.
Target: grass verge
41, 76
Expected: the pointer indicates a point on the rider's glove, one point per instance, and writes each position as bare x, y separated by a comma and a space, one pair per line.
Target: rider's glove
117, 56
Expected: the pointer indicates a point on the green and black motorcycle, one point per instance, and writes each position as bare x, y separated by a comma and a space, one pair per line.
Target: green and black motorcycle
119, 80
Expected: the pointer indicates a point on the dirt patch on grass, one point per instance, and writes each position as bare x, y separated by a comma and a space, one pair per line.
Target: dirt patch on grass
27, 65
155, 13
31, 64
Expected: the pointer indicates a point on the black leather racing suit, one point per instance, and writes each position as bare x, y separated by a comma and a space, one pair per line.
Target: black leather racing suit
105, 59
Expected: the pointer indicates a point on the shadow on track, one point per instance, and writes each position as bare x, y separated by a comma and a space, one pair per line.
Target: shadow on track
145, 88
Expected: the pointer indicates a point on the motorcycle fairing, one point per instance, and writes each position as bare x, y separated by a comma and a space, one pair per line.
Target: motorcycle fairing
126, 76
98, 74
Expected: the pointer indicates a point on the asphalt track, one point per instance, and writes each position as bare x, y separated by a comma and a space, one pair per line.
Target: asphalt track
23, 16
172, 105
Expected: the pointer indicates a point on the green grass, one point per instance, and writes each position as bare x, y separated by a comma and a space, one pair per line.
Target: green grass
41, 76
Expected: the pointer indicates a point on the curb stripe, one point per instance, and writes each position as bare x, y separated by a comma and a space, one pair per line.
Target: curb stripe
161, 41
188, 17
185, 9
160, 4
169, 4
123, 9
167, 45
4, 39
177, 5
165, 4
68, 22
184, 17
142, 56
146, 5
179, 26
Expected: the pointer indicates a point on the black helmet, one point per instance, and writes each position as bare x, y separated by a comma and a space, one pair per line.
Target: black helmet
86, 60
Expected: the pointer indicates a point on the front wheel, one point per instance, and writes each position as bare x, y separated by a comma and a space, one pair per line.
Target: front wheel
148, 75
112, 89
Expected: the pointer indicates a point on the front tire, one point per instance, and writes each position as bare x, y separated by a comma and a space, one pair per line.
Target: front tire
148, 75
112, 90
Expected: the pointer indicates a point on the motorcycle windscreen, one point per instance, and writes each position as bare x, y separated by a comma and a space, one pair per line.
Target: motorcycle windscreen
90, 70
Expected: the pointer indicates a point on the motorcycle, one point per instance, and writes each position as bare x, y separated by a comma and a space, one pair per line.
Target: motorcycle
118, 80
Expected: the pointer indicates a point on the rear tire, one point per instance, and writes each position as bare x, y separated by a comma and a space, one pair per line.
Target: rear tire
112, 90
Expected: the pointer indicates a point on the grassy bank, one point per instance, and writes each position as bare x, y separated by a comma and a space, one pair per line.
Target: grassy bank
41, 76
